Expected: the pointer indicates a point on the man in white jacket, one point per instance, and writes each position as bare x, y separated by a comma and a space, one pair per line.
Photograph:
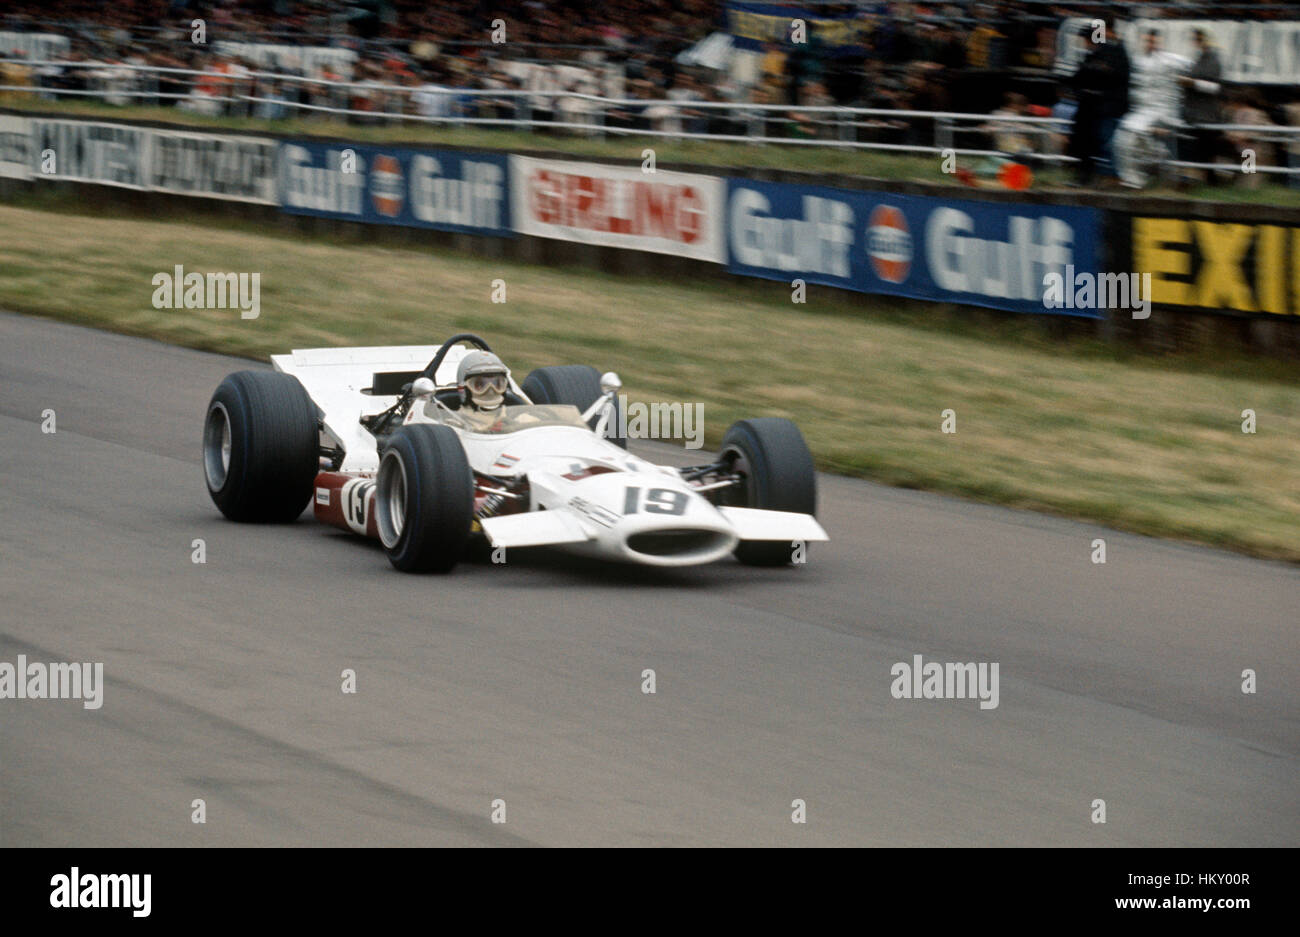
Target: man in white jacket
1141, 138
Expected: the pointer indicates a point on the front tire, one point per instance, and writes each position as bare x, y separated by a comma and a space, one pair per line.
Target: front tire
574, 384
261, 447
424, 499
777, 475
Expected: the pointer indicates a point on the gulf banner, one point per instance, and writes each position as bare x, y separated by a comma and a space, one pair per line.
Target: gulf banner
449, 191
1000, 255
617, 206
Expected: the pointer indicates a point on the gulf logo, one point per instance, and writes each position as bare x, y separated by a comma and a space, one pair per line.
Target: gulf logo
387, 187
889, 243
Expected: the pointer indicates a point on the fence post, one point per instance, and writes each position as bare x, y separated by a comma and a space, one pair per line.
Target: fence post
943, 133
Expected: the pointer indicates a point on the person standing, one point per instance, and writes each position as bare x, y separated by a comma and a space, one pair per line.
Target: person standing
1156, 97
1101, 86
1201, 89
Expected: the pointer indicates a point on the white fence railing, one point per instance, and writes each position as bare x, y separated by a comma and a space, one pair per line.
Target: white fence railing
258, 94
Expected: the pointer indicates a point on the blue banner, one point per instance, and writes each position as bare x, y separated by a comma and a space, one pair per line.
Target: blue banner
450, 191
1005, 256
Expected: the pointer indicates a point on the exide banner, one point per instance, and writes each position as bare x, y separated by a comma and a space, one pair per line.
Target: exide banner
660, 212
950, 250
450, 191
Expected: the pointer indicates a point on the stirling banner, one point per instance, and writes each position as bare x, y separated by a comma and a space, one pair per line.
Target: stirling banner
618, 206
753, 24
991, 254
448, 191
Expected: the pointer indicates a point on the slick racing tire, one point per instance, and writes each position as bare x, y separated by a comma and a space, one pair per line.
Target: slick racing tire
424, 499
777, 474
261, 447
574, 384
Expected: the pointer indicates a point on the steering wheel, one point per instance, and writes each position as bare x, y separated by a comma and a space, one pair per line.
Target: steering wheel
431, 369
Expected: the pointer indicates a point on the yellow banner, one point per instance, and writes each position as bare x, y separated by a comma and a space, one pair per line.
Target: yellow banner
1221, 265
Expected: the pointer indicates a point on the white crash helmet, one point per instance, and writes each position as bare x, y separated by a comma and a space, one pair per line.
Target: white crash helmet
482, 379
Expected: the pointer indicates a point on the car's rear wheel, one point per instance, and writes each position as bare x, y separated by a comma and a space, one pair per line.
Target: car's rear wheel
261, 447
424, 499
776, 474
575, 384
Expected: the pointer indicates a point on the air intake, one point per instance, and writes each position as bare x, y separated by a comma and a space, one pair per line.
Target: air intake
676, 542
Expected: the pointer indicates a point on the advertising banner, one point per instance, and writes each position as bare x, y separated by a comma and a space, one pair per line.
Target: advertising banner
449, 191
950, 250
240, 169
82, 151
1220, 266
1260, 52
751, 25
38, 47
310, 60
15, 146
618, 206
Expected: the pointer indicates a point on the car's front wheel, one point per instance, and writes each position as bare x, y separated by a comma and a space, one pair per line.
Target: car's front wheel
776, 474
424, 499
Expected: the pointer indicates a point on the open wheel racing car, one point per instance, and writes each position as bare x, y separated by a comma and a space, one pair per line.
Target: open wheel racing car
429, 448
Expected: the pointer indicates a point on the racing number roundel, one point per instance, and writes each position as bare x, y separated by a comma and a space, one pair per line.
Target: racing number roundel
355, 501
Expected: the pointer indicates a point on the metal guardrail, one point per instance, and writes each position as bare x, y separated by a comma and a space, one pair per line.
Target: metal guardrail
245, 95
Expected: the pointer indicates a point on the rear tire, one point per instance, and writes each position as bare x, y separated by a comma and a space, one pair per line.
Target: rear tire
424, 499
779, 475
261, 447
574, 384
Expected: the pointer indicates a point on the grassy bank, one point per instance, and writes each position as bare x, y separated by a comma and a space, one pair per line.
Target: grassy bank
1145, 444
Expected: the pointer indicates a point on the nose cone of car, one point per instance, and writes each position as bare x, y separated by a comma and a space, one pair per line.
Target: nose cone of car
653, 519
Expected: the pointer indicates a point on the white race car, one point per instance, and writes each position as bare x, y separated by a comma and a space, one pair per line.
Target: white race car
384, 445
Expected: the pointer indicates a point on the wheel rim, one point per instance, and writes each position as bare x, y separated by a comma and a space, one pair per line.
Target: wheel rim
390, 500
216, 446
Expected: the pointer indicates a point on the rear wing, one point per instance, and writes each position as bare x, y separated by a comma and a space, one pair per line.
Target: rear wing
348, 383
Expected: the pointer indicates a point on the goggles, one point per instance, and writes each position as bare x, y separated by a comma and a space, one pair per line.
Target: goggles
481, 383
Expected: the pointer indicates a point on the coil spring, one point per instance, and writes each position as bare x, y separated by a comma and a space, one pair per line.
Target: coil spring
491, 505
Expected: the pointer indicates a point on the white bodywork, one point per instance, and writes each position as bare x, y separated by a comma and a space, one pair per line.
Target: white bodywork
635, 510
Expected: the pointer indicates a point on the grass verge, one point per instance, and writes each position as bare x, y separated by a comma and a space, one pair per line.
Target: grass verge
1152, 445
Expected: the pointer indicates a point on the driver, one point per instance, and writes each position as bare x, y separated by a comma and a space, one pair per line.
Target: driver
482, 379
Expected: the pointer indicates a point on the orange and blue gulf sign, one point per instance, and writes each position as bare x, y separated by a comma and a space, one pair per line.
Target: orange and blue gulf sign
451, 191
979, 253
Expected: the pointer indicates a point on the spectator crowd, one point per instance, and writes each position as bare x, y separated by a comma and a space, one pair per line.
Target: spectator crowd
467, 58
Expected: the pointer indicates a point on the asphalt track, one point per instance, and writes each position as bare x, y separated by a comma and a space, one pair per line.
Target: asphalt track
523, 682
